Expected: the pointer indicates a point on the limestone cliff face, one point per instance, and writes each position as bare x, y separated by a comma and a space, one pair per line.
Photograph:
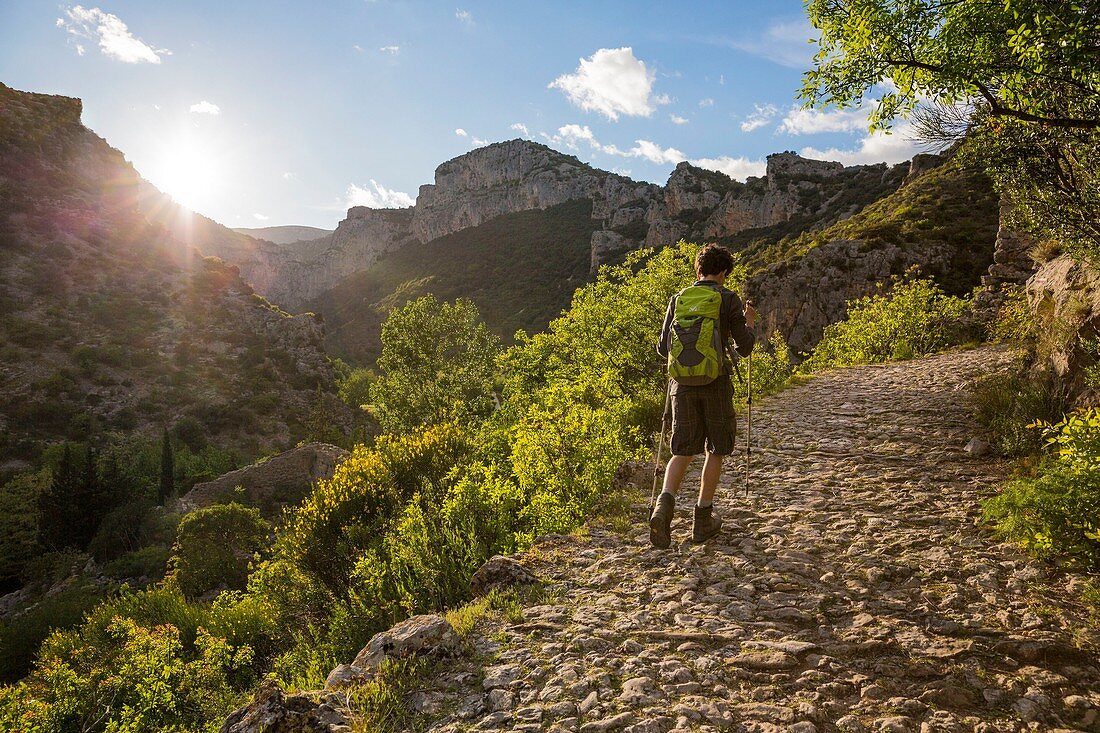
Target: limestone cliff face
520, 175
941, 224
514, 176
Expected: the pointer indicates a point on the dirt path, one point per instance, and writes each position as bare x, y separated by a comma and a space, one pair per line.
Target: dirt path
850, 591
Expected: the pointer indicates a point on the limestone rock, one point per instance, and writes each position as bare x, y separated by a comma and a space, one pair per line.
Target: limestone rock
273, 712
284, 479
500, 572
420, 636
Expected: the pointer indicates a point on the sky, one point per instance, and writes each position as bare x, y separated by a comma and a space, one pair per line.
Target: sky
262, 114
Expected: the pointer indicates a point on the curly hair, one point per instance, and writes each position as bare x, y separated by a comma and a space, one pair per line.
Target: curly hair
713, 260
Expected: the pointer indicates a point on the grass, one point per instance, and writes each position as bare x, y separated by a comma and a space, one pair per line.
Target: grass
506, 604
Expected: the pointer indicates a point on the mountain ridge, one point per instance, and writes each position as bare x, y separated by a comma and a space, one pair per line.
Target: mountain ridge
110, 322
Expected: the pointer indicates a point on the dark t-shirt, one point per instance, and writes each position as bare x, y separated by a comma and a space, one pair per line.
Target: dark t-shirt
731, 325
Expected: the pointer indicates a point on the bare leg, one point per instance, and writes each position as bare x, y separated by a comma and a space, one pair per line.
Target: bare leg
674, 473
712, 471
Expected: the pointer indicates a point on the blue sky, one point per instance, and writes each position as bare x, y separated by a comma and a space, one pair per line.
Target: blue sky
259, 114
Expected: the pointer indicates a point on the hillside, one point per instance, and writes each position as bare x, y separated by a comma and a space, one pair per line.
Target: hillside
349, 278
520, 269
111, 323
284, 234
943, 222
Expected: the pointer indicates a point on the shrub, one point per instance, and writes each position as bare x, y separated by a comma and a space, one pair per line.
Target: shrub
21, 635
215, 547
771, 368
436, 366
1056, 514
1007, 403
140, 679
148, 562
913, 319
1014, 321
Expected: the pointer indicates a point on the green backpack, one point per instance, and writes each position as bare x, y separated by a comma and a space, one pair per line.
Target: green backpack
695, 348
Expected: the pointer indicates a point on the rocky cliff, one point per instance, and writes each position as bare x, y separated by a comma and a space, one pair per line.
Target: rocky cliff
942, 223
520, 175
109, 322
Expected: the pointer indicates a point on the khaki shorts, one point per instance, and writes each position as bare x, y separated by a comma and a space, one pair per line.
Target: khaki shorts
703, 418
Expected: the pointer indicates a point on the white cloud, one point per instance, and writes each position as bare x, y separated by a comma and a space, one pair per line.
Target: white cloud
739, 168
260, 217
464, 16
571, 136
115, 39
800, 121
875, 148
460, 132
480, 142
708, 102
611, 82
288, 176
392, 50
785, 43
521, 129
206, 108
357, 47
377, 196
654, 153
678, 120
762, 115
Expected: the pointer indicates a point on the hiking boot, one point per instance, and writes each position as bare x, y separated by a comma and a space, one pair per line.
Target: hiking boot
660, 522
705, 523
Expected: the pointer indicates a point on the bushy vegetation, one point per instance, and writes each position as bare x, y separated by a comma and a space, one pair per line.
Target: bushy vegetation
519, 269
912, 319
402, 524
1055, 514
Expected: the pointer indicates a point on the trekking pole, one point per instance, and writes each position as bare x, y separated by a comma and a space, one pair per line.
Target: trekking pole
748, 430
660, 440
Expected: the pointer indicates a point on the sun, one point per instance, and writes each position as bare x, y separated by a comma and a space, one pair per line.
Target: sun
190, 174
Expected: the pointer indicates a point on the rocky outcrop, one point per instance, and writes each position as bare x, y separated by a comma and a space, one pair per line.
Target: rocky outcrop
276, 482
1064, 297
272, 711
500, 572
520, 175
429, 636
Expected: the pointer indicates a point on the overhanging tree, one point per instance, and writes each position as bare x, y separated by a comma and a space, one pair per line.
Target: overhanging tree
1025, 72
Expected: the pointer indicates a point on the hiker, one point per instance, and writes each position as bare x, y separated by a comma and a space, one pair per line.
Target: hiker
700, 323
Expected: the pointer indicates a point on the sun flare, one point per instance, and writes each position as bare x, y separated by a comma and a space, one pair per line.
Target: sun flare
189, 174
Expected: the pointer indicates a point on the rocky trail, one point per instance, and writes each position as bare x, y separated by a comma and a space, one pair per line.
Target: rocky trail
852, 589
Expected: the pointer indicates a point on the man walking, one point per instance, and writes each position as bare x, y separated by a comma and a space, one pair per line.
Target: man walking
701, 324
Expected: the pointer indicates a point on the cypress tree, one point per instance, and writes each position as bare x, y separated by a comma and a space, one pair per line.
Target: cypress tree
55, 504
167, 470
87, 502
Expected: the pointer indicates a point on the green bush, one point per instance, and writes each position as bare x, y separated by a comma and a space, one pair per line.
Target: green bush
21, 636
215, 548
913, 319
148, 562
436, 366
1056, 514
140, 679
1008, 404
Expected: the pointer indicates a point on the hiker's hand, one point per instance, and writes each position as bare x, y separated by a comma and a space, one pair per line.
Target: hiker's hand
750, 314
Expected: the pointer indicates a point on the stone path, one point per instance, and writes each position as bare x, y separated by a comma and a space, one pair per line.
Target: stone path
851, 590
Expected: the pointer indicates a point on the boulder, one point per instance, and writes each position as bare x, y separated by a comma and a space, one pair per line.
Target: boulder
420, 636
1064, 299
500, 572
270, 711
271, 484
